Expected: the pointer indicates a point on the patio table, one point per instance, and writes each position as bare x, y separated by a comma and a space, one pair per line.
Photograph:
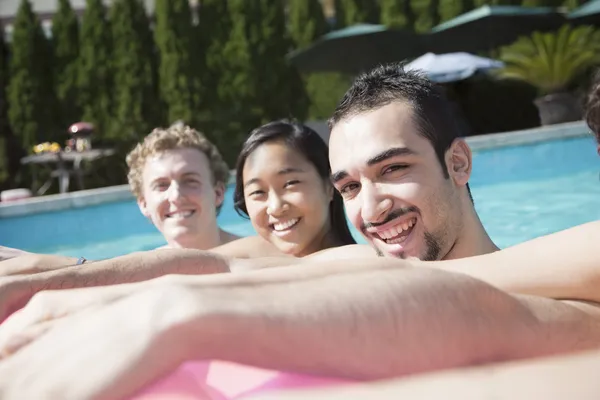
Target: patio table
62, 165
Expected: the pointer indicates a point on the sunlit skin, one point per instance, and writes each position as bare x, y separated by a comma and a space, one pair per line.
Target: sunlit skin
287, 200
180, 198
396, 192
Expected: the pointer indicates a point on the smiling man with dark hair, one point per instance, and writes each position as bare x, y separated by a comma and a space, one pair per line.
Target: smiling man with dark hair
400, 163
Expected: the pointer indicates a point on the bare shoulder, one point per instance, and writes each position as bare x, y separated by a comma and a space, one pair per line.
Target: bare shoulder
228, 237
247, 247
344, 252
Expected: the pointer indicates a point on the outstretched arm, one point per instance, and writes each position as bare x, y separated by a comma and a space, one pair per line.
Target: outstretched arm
357, 324
562, 265
378, 324
6, 253
552, 378
32, 263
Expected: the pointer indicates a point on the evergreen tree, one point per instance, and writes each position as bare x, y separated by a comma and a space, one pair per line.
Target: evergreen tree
136, 104
449, 9
95, 75
397, 14
65, 43
236, 111
427, 15
178, 76
30, 87
280, 92
10, 148
213, 33
306, 21
4, 126
351, 12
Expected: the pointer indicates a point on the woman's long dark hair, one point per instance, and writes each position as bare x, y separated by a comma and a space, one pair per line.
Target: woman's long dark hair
312, 147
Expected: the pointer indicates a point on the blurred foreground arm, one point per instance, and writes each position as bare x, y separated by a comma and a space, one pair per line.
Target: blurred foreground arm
6, 253
31, 263
358, 323
554, 378
377, 324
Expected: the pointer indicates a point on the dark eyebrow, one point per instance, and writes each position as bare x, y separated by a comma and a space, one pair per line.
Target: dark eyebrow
284, 171
338, 176
393, 152
191, 173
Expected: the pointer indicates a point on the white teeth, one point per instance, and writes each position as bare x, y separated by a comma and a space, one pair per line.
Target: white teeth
397, 230
282, 226
180, 214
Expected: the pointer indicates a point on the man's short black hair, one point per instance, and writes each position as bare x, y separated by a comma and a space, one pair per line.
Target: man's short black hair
434, 113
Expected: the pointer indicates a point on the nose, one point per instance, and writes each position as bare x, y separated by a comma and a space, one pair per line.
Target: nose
174, 193
277, 205
375, 205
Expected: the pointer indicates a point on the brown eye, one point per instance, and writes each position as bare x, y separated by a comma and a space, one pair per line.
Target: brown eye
348, 188
393, 168
291, 183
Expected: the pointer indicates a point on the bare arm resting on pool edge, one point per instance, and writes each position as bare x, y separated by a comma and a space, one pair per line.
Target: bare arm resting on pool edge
562, 265
31, 263
359, 324
378, 324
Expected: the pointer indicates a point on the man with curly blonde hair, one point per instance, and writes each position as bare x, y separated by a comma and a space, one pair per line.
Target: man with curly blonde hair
178, 178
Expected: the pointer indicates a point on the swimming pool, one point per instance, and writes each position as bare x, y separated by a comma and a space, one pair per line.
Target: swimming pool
520, 192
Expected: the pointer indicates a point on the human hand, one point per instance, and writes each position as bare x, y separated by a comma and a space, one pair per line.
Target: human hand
108, 352
47, 307
6, 253
15, 292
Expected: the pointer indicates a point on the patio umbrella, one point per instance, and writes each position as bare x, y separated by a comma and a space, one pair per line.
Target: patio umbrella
452, 67
587, 14
489, 27
357, 48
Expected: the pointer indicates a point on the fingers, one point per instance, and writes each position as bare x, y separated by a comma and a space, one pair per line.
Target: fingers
16, 342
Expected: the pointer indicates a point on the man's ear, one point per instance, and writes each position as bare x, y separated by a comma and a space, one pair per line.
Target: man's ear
143, 208
459, 160
219, 193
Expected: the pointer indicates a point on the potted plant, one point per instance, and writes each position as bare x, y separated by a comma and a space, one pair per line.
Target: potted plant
552, 62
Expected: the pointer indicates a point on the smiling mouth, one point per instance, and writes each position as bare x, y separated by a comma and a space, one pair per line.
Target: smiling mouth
285, 226
396, 234
180, 214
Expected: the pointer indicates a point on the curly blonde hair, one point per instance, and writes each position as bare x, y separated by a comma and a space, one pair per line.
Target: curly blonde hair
175, 137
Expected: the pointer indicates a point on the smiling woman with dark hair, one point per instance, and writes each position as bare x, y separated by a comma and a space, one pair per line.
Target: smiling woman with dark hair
283, 186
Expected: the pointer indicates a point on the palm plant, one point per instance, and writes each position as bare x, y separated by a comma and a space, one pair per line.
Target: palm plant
552, 61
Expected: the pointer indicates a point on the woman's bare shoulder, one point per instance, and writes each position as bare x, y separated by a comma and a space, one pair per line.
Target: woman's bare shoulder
248, 247
344, 252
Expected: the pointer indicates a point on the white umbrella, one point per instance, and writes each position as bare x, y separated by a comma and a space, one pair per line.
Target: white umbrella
452, 67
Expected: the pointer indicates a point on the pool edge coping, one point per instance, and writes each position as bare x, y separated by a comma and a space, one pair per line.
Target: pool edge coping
110, 194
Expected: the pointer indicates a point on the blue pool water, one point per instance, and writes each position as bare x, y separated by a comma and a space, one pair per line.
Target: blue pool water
520, 193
